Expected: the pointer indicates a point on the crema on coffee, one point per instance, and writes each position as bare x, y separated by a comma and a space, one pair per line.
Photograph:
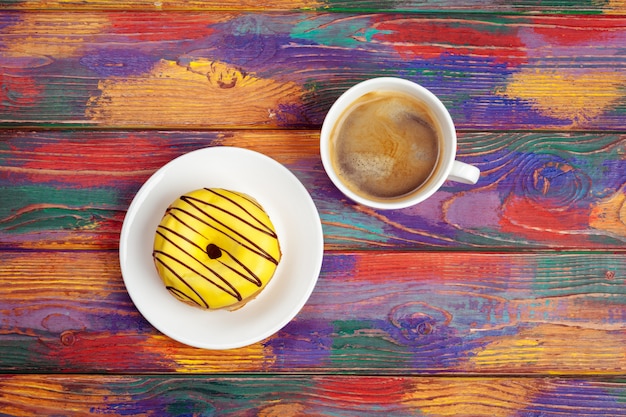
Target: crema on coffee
385, 145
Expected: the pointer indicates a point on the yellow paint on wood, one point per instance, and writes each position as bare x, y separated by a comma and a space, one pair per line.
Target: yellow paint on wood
203, 93
54, 35
615, 7
610, 214
564, 95
171, 4
253, 358
27, 397
550, 346
284, 410
286, 146
471, 396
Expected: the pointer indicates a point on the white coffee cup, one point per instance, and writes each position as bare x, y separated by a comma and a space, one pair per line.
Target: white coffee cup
446, 168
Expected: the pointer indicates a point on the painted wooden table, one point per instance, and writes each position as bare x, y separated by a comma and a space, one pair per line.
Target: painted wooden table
507, 298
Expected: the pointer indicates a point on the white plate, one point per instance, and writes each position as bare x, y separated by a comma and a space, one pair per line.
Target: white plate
292, 212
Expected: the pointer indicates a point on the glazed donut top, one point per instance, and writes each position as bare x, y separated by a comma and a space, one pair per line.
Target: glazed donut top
216, 248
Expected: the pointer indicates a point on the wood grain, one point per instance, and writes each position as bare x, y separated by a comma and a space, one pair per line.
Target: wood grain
71, 189
229, 69
266, 396
448, 6
371, 312
503, 298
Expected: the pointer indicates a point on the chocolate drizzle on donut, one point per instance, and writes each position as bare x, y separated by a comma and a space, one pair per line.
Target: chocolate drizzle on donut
227, 287
205, 213
243, 240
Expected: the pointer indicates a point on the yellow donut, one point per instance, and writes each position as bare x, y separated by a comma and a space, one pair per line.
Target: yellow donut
216, 248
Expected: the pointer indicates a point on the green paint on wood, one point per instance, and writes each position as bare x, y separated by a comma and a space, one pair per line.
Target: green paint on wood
23, 353
571, 275
42, 207
363, 340
579, 7
328, 30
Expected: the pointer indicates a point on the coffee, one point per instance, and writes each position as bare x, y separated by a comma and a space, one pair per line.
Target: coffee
385, 145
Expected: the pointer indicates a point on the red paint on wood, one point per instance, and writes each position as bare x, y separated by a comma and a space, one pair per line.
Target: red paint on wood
161, 26
81, 350
17, 92
374, 390
406, 267
94, 162
430, 39
525, 217
578, 30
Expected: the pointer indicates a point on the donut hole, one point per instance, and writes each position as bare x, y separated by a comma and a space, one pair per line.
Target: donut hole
213, 251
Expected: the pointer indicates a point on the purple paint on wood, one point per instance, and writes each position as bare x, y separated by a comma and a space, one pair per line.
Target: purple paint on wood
118, 62
442, 349
491, 111
484, 207
562, 397
8, 19
587, 43
428, 211
57, 318
613, 175
338, 265
302, 335
15, 61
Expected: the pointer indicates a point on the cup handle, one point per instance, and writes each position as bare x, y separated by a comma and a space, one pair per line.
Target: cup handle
464, 173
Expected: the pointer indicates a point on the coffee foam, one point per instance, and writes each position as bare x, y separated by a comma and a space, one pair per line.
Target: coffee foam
384, 145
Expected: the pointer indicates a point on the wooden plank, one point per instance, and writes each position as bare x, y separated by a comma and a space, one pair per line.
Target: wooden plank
235, 69
371, 312
408, 6
71, 189
265, 396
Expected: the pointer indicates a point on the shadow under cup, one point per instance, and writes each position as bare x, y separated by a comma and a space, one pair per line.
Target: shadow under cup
389, 143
